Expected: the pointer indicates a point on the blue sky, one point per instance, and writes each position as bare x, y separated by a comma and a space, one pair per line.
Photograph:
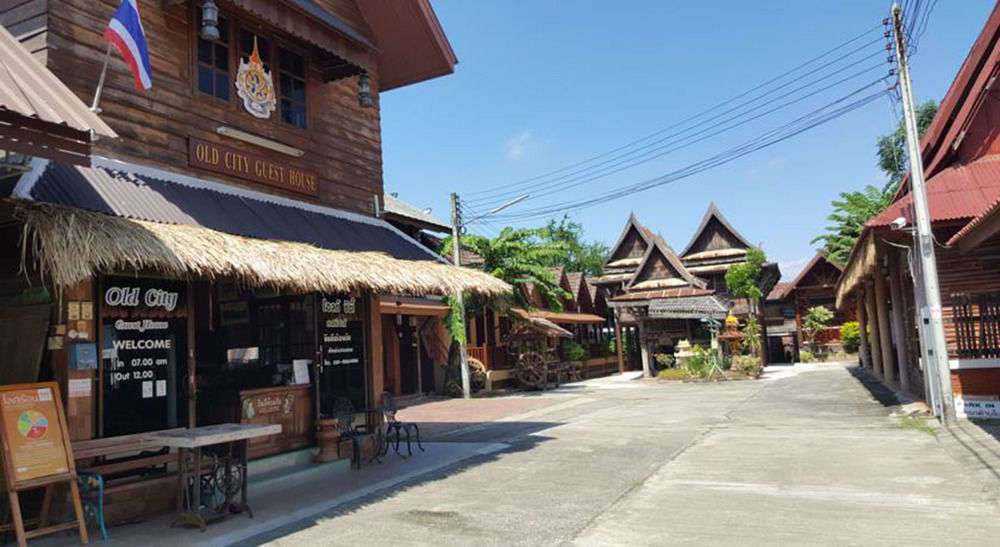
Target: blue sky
543, 84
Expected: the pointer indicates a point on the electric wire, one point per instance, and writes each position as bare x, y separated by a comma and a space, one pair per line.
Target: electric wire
690, 118
661, 147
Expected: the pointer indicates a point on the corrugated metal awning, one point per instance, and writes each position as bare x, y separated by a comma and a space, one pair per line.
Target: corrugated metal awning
137, 192
693, 307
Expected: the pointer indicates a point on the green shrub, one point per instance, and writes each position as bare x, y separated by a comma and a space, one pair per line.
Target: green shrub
672, 374
806, 356
751, 335
571, 351
664, 360
747, 364
703, 364
850, 335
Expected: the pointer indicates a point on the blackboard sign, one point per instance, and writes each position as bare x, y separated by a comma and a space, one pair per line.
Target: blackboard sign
144, 328
342, 350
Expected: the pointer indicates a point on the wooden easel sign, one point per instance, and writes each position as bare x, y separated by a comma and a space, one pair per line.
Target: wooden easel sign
36, 454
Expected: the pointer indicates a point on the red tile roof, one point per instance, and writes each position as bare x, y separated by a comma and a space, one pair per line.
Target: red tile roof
957, 193
780, 291
991, 210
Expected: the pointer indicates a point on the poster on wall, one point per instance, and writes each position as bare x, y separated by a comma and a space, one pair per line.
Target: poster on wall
31, 428
342, 346
144, 325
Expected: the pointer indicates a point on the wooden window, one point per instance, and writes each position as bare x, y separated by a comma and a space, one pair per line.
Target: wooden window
292, 86
213, 63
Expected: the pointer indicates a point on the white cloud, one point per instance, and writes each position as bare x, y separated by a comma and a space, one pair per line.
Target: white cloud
517, 147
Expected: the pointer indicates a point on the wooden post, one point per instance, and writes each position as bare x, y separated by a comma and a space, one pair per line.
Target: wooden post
876, 345
866, 358
376, 369
895, 290
192, 361
884, 326
618, 346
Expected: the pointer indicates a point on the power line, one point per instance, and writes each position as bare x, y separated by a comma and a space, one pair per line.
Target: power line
789, 130
677, 146
671, 144
691, 118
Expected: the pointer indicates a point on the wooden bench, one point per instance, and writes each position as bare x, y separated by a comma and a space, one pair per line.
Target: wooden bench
117, 459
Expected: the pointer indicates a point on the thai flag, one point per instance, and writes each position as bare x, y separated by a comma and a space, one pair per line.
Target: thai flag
126, 33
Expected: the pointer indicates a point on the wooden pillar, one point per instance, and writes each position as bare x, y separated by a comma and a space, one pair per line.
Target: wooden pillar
876, 345
618, 346
884, 325
765, 355
896, 293
864, 349
647, 370
798, 321
376, 368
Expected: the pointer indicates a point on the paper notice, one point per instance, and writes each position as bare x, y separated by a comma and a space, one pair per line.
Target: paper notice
79, 387
87, 311
300, 370
73, 311
161, 388
147, 389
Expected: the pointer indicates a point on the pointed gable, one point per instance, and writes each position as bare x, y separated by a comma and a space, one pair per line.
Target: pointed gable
819, 273
580, 291
715, 238
631, 246
661, 269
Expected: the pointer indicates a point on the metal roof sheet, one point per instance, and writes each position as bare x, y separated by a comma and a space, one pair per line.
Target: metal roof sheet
398, 207
695, 307
957, 193
28, 88
137, 195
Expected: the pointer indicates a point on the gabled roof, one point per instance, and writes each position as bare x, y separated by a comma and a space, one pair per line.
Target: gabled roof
407, 213
412, 46
631, 225
659, 248
580, 291
713, 213
818, 261
780, 291
978, 229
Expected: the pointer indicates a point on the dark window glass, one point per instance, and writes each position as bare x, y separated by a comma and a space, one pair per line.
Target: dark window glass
292, 87
213, 63
263, 47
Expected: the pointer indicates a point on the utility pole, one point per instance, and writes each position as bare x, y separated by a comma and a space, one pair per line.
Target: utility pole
456, 253
935, 351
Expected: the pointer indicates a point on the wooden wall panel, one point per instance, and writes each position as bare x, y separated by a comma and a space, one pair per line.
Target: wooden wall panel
974, 272
342, 140
982, 381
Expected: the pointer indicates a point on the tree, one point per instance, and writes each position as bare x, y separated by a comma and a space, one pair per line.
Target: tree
518, 257
853, 209
746, 280
580, 255
816, 319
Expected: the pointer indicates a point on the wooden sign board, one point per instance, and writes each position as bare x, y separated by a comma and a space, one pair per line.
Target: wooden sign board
37, 452
251, 166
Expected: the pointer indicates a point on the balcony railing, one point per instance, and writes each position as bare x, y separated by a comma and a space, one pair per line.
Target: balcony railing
480, 353
977, 324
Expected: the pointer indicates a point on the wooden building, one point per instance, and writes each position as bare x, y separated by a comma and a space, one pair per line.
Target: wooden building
961, 154
788, 303
224, 256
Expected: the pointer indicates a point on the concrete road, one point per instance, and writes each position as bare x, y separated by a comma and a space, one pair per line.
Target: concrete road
807, 456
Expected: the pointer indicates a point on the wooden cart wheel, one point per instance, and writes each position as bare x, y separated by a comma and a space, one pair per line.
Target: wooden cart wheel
531, 370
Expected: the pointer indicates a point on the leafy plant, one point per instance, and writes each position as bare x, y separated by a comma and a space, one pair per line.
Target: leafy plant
746, 280
571, 351
703, 363
850, 336
454, 322
579, 256
751, 335
672, 374
853, 209
816, 319
664, 360
747, 364
519, 257
806, 356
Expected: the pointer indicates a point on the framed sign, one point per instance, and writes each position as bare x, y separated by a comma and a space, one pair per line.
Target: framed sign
36, 450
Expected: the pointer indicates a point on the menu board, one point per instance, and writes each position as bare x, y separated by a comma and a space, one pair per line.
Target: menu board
33, 432
144, 322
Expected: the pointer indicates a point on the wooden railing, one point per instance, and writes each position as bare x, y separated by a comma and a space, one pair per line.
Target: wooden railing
977, 324
480, 353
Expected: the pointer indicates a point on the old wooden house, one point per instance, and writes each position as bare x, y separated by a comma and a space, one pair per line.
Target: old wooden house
961, 155
220, 247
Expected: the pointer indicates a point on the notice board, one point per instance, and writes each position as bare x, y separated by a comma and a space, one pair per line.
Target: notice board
34, 432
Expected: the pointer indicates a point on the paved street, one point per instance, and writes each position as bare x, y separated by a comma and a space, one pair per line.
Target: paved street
807, 456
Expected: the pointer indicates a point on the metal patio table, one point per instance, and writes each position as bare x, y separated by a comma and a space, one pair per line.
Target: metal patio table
225, 474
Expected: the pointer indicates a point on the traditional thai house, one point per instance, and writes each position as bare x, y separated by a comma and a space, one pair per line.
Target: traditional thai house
788, 303
961, 155
223, 259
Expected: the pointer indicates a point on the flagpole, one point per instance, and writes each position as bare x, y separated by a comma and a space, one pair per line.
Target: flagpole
100, 83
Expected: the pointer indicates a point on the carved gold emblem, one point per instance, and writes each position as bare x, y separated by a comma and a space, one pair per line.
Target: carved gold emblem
255, 86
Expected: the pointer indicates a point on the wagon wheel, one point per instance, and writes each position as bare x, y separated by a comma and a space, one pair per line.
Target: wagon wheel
531, 370
477, 374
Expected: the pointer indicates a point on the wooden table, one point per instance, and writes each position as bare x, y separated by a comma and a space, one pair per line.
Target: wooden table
227, 473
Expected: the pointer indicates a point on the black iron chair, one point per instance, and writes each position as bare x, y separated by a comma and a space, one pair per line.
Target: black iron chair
344, 413
393, 425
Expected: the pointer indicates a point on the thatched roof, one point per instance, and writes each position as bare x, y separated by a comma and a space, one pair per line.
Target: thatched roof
71, 245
